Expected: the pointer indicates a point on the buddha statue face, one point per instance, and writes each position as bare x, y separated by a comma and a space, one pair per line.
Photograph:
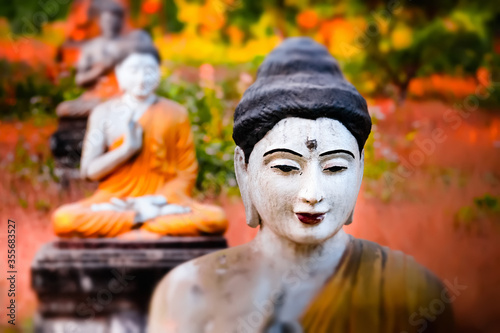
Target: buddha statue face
302, 179
110, 23
138, 74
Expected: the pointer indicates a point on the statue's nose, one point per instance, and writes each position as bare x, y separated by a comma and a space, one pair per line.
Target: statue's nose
140, 75
312, 199
312, 188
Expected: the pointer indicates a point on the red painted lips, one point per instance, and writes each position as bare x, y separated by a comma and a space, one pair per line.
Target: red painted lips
310, 218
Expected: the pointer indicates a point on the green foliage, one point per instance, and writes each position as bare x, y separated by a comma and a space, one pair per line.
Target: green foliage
375, 167
492, 91
23, 203
26, 17
465, 47
487, 203
246, 14
170, 10
211, 121
42, 205
25, 91
31, 166
483, 207
424, 39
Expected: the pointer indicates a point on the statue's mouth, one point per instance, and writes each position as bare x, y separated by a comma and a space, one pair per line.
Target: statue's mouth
308, 218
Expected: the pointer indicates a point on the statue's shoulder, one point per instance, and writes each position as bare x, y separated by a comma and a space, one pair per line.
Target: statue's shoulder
398, 284
206, 274
172, 296
139, 35
168, 107
101, 111
93, 44
194, 285
404, 279
189, 294
395, 265
180, 279
107, 105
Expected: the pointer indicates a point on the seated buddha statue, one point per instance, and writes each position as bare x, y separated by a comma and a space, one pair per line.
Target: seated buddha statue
300, 132
98, 56
139, 147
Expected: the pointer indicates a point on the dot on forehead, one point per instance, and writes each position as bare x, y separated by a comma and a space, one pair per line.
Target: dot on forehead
311, 144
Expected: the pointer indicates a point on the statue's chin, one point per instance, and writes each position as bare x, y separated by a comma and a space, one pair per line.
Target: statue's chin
312, 238
309, 235
141, 94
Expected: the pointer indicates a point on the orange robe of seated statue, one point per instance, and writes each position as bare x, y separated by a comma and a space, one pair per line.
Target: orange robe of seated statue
166, 165
379, 290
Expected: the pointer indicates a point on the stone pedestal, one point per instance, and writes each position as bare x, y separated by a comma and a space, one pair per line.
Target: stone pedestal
66, 145
105, 285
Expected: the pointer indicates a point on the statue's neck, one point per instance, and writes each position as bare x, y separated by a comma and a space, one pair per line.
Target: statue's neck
138, 105
286, 253
111, 36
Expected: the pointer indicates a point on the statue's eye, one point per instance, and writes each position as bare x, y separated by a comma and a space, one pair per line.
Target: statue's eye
335, 168
285, 168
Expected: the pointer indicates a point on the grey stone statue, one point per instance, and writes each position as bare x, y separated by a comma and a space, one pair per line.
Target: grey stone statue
95, 72
98, 58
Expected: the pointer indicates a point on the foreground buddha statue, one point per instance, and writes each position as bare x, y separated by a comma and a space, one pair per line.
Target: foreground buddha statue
140, 148
300, 131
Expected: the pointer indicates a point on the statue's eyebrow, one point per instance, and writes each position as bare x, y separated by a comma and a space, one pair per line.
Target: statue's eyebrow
272, 151
337, 151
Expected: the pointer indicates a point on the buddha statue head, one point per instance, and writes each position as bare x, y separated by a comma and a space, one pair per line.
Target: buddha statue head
300, 131
138, 73
110, 15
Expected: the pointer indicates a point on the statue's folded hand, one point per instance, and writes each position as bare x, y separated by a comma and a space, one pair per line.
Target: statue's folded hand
114, 204
106, 206
133, 138
149, 207
146, 207
157, 200
174, 209
119, 203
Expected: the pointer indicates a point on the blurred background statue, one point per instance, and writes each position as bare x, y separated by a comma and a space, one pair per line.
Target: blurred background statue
139, 147
94, 71
300, 131
98, 58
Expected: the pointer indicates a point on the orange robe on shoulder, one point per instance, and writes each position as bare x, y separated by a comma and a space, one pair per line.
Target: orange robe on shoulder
166, 165
378, 290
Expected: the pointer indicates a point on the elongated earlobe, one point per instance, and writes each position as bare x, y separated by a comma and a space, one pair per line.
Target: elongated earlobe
240, 167
119, 77
360, 179
361, 166
349, 219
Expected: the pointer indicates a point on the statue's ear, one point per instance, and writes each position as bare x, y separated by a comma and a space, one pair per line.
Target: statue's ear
349, 219
361, 167
120, 77
240, 167
360, 179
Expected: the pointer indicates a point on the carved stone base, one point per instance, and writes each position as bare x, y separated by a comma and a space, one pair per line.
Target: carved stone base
105, 285
66, 142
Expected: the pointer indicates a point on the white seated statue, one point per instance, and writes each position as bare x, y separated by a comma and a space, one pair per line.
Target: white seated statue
140, 149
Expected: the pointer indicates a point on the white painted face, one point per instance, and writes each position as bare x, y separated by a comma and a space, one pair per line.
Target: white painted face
138, 74
302, 178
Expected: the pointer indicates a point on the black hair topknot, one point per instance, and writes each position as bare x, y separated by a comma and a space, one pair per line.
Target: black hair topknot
299, 78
